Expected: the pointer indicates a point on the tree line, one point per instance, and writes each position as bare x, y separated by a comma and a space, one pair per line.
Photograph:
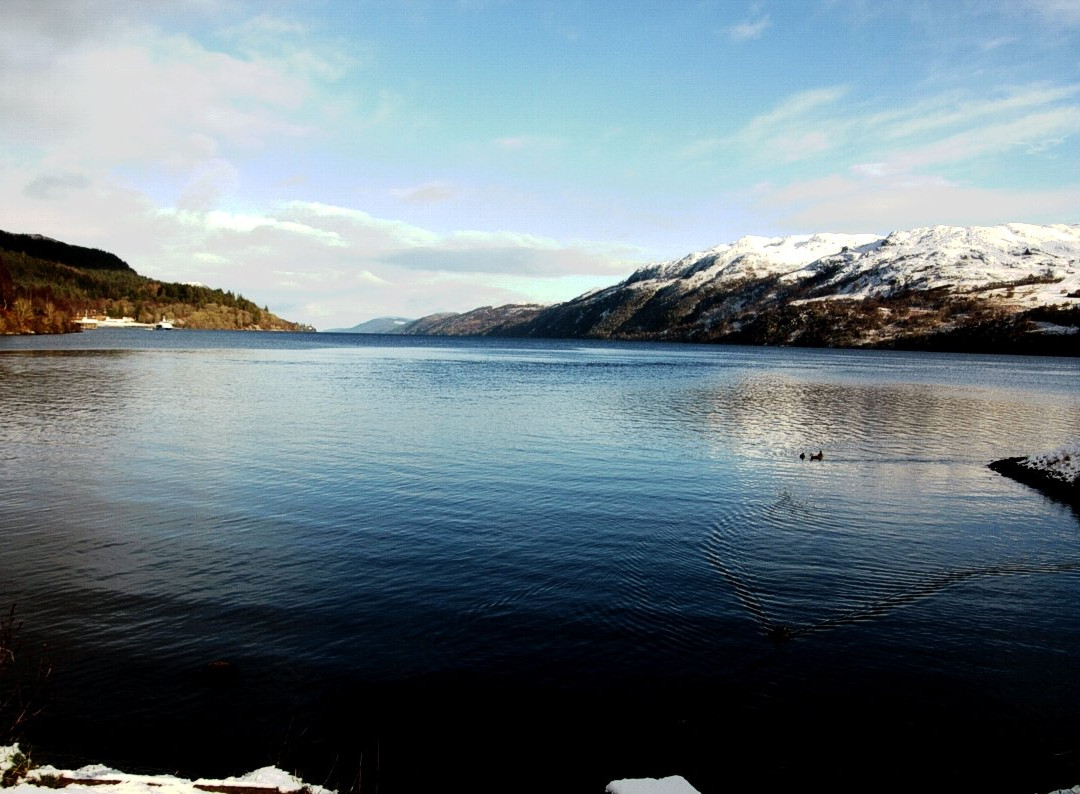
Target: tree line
39, 295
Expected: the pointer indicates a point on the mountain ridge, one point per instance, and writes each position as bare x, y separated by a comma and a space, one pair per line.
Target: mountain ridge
377, 325
1007, 288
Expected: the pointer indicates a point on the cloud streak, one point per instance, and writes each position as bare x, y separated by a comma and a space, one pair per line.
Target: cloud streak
750, 28
936, 131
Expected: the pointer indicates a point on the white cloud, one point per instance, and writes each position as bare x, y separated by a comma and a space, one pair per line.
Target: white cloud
367, 234
518, 260
53, 186
427, 193
883, 203
207, 185
949, 110
799, 106
315, 262
99, 91
1060, 11
871, 170
749, 29
793, 130
933, 131
147, 101
1034, 132
528, 143
292, 46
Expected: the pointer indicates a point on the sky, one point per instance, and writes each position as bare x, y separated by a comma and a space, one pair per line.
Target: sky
339, 160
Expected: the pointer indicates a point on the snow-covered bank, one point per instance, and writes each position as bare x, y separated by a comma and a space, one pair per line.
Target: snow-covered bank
268, 780
676, 784
1061, 464
1056, 472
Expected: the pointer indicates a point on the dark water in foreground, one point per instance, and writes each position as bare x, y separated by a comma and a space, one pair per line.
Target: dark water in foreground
519, 566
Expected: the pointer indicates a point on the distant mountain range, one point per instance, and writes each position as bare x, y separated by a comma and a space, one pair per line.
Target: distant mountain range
1009, 288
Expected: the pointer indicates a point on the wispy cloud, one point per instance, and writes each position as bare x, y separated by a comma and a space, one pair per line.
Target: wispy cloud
795, 128
748, 29
54, 186
825, 124
880, 202
951, 109
752, 26
1034, 132
528, 143
427, 193
1062, 11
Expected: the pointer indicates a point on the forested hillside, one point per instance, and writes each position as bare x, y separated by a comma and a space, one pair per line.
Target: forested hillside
45, 285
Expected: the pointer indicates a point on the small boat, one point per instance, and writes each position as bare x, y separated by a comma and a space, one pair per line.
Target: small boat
122, 322
164, 325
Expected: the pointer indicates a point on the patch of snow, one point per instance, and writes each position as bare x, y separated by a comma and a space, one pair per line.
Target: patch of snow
1061, 464
8, 757
676, 784
99, 779
1057, 330
760, 256
960, 258
269, 777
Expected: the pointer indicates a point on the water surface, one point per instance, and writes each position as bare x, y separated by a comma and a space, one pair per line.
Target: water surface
572, 558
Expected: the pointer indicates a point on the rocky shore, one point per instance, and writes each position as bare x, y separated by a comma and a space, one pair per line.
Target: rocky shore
1056, 472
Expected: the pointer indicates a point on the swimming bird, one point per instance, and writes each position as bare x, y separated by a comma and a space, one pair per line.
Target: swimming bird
802, 456
819, 456
779, 633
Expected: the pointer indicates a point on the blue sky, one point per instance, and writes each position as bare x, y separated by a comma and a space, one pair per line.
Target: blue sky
344, 160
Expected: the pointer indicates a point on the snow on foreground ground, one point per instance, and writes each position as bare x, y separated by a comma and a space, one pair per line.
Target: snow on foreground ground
1061, 464
665, 785
268, 780
1055, 473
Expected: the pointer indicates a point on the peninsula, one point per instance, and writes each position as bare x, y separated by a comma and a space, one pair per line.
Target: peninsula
47, 286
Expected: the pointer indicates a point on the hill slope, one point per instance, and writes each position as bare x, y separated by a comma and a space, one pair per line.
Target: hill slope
485, 321
1009, 288
46, 284
379, 325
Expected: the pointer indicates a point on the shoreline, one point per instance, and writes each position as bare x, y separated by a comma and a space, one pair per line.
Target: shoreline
265, 780
1055, 473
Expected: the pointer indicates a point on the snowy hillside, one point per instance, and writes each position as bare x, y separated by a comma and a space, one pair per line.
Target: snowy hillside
1010, 288
753, 256
863, 265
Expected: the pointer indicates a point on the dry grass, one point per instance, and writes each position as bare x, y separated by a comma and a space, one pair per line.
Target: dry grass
23, 676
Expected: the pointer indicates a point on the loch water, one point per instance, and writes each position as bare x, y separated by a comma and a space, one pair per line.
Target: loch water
522, 565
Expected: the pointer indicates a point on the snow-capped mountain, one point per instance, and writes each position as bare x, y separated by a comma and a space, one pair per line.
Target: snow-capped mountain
1014, 287
752, 256
864, 265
